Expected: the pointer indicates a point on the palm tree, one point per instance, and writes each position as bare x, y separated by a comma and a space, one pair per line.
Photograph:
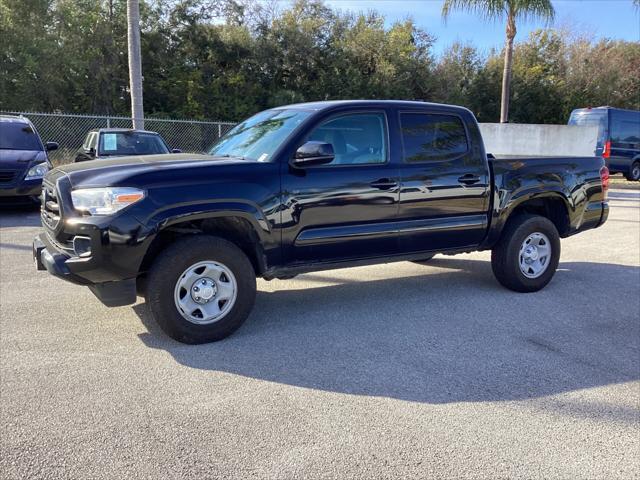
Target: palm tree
135, 67
497, 9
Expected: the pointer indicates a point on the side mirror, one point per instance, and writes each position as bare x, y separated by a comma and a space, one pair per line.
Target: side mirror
91, 152
313, 153
176, 150
51, 146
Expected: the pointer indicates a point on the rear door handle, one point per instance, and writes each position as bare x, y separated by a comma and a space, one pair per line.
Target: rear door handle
384, 184
469, 179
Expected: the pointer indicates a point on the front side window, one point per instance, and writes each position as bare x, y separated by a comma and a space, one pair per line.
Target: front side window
591, 117
18, 136
131, 143
258, 137
432, 137
356, 139
89, 142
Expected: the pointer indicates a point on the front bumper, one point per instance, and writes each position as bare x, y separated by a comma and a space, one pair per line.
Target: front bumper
111, 294
27, 188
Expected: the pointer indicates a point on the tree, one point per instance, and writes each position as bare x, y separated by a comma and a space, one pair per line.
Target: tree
135, 63
497, 9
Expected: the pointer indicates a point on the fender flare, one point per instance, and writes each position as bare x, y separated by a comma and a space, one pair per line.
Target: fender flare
501, 214
164, 219
185, 212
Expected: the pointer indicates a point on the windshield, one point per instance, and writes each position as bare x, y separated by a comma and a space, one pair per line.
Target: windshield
131, 143
258, 137
18, 136
591, 117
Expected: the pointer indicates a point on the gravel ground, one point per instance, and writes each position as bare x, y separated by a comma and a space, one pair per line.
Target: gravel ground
391, 371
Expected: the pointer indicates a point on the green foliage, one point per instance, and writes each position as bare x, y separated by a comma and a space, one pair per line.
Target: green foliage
498, 9
224, 60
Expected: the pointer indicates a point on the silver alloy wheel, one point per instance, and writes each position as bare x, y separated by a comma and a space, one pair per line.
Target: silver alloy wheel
205, 292
635, 171
535, 255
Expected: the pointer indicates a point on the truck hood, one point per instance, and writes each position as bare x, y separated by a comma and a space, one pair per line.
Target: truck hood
112, 171
20, 159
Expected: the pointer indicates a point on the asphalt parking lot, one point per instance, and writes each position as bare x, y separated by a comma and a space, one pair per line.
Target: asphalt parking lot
398, 370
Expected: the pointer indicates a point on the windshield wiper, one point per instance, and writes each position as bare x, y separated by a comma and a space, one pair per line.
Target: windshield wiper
226, 155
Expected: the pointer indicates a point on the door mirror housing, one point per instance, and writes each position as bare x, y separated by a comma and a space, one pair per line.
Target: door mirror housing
313, 153
51, 146
91, 152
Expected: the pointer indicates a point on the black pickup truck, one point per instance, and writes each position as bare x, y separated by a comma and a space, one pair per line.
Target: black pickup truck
302, 188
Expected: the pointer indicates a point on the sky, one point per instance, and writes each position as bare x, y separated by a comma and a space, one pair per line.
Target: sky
616, 19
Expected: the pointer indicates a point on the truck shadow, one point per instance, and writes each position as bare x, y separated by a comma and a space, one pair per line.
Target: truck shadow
453, 335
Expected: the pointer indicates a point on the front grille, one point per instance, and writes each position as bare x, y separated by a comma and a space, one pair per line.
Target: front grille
8, 176
50, 206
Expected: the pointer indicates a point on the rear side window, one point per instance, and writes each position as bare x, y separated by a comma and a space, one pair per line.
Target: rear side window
432, 137
18, 136
625, 127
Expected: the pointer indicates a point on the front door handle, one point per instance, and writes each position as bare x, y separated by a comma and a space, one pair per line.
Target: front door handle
469, 179
384, 184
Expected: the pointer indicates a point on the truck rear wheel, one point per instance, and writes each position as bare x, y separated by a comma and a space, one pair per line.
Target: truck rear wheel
527, 255
201, 289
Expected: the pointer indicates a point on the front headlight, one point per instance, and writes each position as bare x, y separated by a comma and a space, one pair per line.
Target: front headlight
37, 171
104, 201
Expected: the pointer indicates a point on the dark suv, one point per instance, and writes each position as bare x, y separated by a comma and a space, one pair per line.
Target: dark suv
23, 159
119, 142
618, 137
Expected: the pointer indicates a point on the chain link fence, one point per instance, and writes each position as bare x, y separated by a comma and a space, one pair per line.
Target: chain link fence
70, 131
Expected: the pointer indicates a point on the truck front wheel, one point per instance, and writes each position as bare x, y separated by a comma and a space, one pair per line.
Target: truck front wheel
527, 255
201, 289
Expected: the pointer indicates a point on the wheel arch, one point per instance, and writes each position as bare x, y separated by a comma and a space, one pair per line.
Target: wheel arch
552, 205
236, 227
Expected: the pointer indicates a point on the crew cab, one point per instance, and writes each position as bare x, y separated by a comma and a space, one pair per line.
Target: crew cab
308, 187
104, 143
23, 160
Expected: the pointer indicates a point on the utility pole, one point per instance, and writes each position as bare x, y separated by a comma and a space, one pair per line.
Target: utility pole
135, 63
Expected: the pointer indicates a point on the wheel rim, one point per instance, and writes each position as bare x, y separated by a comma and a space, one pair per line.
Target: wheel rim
205, 292
635, 173
535, 255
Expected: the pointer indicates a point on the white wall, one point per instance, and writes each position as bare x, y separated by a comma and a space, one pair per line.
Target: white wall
539, 140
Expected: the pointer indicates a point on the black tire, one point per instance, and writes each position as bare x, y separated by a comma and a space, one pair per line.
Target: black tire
505, 256
633, 175
424, 259
170, 265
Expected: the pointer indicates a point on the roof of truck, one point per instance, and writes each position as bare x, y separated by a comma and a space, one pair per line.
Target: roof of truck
317, 106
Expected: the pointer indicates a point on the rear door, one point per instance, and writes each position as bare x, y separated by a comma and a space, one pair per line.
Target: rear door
445, 183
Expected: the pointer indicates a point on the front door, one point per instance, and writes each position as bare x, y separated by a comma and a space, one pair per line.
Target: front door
347, 208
